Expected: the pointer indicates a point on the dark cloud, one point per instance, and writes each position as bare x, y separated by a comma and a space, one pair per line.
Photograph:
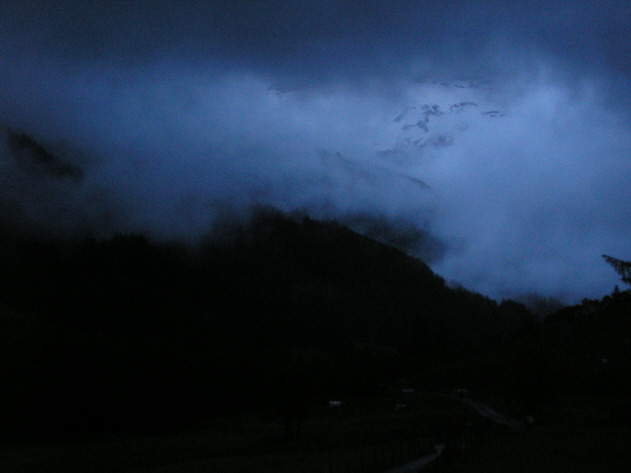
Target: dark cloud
34, 158
500, 128
327, 39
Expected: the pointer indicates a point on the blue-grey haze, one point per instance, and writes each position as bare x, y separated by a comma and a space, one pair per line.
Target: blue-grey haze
502, 129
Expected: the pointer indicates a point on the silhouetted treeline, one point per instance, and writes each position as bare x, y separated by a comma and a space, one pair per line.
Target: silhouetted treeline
127, 333
590, 344
583, 349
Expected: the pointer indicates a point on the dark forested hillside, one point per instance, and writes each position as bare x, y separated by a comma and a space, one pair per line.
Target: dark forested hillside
590, 344
154, 334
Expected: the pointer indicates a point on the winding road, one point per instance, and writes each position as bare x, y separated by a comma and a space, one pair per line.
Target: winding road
486, 411
483, 410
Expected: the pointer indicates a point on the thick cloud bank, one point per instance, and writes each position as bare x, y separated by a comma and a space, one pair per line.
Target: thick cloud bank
501, 131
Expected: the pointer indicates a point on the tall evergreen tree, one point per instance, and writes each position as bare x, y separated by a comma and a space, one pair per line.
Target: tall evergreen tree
623, 268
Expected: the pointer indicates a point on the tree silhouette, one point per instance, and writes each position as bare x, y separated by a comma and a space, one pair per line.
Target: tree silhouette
623, 268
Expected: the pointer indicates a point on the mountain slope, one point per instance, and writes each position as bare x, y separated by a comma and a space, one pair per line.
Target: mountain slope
142, 328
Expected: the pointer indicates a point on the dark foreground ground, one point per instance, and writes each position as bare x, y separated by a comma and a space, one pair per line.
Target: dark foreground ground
364, 435
550, 449
580, 435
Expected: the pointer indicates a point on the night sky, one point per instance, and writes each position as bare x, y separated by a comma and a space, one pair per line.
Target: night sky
502, 129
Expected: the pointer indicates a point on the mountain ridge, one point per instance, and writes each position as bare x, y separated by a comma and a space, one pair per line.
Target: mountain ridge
157, 334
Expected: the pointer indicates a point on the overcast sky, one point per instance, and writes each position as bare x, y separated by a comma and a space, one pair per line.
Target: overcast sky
502, 129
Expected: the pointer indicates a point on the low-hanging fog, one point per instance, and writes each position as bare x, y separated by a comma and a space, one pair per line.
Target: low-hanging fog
502, 132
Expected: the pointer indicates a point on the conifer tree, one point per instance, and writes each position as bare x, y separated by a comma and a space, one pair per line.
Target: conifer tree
623, 268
